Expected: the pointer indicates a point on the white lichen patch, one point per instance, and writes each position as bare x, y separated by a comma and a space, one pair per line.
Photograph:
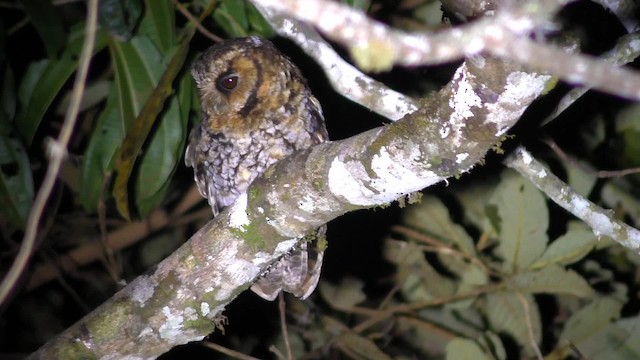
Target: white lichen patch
173, 325
351, 181
204, 308
238, 213
237, 272
393, 176
521, 88
144, 288
190, 313
579, 205
311, 204
463, 101
526, 157
461, 157
345, 180
147, 331
260, 258
284, 246
602, 224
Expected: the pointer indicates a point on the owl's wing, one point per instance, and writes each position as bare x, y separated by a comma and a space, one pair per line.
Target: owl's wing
201, 175
315, 124
297, 272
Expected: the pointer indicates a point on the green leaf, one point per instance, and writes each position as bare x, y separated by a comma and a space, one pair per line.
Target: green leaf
159, 24
553, 279
593, 331
402, 252
506, 312
490, 340
231, 15
93, 94
617, 341
590, 320
44, 17
580, 181
358, 4
16, 182
100, 153
164, 152
166, 144
359, 347
138, 65
120, 17
346, 294
524, 219
471, 277
258, 24
567, 249
616, 196
420, 281
30, 80
628, 128
44, 81
465, 349
8, 101
432, 216
474, 200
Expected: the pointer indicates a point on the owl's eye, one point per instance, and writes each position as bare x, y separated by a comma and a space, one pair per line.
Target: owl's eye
228, 82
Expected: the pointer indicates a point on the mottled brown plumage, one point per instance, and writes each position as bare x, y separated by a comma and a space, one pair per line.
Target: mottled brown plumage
256, 110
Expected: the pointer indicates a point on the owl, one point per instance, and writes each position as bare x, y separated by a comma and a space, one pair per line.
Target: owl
256, 109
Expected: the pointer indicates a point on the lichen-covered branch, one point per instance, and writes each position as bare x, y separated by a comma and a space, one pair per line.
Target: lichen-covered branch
375, 46
625, 10
627, 48
600, 220
181, 300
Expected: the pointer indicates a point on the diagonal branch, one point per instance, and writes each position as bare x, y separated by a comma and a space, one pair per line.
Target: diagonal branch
176, 302
600, 220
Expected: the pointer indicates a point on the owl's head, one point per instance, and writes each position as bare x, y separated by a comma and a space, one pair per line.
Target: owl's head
242, 81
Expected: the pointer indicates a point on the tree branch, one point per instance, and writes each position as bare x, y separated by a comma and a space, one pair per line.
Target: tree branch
600, 220
176, 302
374, 46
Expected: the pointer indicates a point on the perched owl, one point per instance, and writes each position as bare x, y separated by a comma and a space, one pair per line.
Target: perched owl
256, 110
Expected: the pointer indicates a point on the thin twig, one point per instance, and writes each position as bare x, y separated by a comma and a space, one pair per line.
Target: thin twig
109, 258
601, 221
597, 173
58, 151
229, 352
184, 11
527, 320
442, 248
624, 52
118, 239
407, 308
283, 325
